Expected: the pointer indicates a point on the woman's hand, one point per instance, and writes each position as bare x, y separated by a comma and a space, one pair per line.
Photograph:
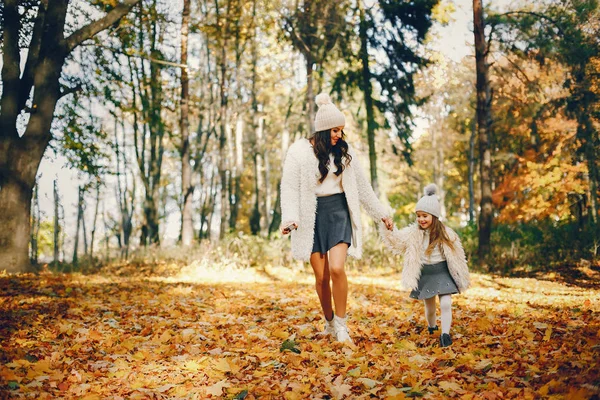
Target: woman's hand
289, 228
389, 224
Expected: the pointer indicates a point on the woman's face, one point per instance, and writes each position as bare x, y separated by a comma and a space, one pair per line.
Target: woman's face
424, 219
336, 134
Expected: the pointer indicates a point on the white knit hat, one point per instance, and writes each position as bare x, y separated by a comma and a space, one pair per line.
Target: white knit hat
429, 203
328, 116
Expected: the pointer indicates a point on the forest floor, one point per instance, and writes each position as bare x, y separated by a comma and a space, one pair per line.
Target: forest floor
132, 332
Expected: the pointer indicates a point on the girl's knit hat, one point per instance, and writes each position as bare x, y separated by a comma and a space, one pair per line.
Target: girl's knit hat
429, 203
328, 116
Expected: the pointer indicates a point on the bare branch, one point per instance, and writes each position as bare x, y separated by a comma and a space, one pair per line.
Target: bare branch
33, 55
538, 15
95, 27
70, 90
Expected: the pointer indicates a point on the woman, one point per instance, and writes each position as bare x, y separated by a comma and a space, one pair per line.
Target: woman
322, 188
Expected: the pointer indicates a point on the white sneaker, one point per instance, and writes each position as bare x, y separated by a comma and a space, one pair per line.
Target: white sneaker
329, 329
341, 330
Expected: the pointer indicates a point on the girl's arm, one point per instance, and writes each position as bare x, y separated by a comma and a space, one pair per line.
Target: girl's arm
396, 240
290, 190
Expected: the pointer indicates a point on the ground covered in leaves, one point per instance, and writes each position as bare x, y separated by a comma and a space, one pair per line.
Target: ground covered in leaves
243, 334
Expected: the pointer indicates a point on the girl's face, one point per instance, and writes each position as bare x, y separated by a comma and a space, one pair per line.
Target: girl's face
336, 134
424, 219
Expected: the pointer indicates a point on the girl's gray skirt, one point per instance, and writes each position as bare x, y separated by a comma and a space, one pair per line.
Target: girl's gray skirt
332, 223
435, 280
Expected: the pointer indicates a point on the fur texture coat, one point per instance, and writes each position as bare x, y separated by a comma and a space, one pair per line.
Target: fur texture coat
299, 201
408, 242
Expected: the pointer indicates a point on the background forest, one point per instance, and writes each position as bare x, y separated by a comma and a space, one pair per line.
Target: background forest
165, 123
141, 151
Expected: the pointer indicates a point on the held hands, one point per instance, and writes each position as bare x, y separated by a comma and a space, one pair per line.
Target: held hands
389, 224
289, 228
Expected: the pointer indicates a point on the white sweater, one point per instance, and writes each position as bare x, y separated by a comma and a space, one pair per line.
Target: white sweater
299, 199
332, 184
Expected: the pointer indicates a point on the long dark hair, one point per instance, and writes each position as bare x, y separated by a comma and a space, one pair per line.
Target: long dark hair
437, 236
322, 147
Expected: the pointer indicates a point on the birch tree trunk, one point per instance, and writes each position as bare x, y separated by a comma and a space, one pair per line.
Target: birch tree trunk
484, 131
187, 225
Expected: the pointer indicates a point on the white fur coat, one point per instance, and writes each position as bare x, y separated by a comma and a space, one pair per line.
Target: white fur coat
299, 201
409, 242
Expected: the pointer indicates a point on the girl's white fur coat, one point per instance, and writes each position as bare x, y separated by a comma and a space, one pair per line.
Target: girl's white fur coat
409, 242
299, 201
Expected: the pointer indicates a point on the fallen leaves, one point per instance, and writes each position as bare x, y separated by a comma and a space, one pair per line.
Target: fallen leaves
147, 338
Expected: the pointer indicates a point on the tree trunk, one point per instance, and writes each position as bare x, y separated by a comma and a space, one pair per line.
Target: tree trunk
79, 217
484, 131
310, 96
83, 228
472, 173
368, 95
95, 220
35, 226
437, 146
56, 223
236, 175
588, 134
20, 157
187, 225
223, 22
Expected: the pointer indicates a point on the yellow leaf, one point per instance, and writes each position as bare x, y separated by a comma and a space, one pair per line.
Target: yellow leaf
543, 391
406, 344
450, 387
95, 335
91, 396
393, 393
281, 334
217, 388
548, 334
165, 337
138, 384
192, 366
369, 383
128, 344
482, 364
222, 365
42, 366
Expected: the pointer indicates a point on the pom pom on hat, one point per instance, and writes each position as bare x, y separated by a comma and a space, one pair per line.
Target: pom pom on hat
328, 116
322, 98
429, 203
430, 189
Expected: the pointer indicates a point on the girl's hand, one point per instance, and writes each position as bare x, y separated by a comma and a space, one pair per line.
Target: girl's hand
289, 228
389, 224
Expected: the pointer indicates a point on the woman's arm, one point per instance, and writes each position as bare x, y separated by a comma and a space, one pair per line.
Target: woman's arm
290, 190
368, 198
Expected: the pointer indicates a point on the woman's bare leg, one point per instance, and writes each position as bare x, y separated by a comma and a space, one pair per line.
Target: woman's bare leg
321, 269
337, 259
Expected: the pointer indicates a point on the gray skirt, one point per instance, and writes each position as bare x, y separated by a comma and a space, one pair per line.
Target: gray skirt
332, 223
435, 280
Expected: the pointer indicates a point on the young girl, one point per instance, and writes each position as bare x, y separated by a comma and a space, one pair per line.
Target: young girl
434, 261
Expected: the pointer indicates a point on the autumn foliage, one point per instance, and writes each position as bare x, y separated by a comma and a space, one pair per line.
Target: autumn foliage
245, 333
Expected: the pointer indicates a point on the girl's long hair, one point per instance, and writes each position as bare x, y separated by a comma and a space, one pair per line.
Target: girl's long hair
322, 148
438, 236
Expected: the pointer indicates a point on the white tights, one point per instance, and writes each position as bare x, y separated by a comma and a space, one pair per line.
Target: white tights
446, 308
